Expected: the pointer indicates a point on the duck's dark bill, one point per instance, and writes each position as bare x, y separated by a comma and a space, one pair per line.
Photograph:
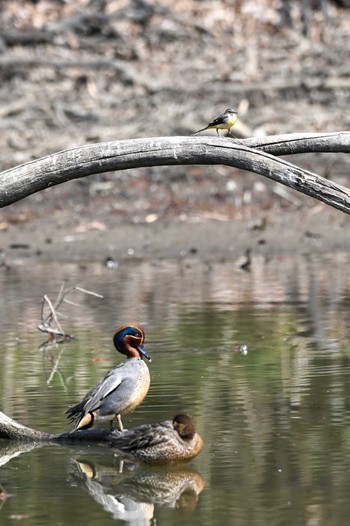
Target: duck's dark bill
141, 349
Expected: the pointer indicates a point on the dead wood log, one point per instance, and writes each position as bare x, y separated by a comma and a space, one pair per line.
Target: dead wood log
12, 430
248, 154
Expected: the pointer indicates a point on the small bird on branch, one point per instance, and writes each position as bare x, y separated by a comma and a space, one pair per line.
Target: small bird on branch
224, 121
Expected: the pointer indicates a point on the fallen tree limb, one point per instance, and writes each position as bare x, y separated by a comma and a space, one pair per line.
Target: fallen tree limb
24, 180
12, 430
295, 143
16, 439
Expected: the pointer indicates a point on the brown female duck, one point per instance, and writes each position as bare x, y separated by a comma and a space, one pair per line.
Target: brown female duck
169, 441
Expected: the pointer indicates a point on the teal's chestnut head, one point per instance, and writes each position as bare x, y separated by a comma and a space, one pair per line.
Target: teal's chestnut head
128, 340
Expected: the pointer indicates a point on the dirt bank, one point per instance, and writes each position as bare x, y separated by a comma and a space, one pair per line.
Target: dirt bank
207, 235
73, 73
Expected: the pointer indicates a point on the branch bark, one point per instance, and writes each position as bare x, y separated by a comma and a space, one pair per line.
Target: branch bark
12, 430
294, 143
255, 155
16, 439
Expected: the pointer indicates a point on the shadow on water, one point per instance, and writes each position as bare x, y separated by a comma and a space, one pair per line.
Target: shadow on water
274, 421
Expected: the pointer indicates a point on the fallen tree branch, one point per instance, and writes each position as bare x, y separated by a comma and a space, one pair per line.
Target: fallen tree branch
16, 439
295, 143
12, 430
34, 176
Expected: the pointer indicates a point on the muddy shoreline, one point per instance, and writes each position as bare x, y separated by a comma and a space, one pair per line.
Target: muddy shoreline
317, 230
86, 72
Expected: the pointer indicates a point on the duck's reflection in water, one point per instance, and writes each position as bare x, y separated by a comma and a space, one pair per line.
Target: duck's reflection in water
132, 496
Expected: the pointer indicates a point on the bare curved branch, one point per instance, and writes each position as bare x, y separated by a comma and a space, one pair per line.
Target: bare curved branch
294, 143
24, 180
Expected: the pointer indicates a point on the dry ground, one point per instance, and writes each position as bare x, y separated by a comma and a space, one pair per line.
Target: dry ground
91, 71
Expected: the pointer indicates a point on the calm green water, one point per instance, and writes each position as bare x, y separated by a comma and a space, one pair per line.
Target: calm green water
274, 422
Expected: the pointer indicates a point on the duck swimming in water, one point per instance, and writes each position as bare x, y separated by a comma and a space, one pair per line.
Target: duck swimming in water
122, 389
165, 442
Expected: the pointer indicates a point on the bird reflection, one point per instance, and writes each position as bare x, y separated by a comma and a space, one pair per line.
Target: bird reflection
131, 495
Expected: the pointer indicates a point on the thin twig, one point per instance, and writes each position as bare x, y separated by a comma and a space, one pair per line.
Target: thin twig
57, 303
56, 333
50, 330
89, 292
72, 303
53, 313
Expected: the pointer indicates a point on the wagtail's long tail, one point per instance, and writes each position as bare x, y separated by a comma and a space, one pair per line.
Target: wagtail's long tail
202, 129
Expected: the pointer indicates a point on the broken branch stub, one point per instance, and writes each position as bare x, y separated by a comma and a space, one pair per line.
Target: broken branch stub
50, 323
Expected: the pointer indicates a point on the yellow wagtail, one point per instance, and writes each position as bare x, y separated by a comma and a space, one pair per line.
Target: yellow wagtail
224, 121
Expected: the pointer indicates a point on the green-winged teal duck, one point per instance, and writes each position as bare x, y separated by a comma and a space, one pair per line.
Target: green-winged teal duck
122, 389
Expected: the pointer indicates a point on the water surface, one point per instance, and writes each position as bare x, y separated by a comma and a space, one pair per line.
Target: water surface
274, 421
